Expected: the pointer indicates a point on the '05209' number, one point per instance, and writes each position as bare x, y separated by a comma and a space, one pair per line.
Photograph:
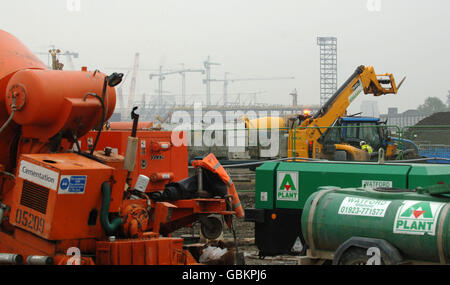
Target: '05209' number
30, 221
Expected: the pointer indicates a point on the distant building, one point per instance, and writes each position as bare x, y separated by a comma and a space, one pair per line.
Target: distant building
370, 109
407, 118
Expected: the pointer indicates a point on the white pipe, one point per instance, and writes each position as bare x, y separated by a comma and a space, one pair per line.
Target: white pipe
39, 260
10, 259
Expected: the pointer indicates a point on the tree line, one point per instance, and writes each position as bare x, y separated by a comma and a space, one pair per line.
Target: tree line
433, 105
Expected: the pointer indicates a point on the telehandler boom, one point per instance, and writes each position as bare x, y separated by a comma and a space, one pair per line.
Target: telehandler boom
305, 135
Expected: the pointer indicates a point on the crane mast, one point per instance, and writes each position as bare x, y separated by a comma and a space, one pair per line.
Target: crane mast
69, 56
162, 75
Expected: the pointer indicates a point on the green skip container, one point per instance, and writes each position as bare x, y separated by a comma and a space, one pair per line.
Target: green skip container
415, 222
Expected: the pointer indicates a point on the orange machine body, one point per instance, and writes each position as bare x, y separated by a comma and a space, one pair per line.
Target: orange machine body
14, 56
145, 251
51, 102
51, 107
126, 126
57, 203
53, 199
157, 158
58, 196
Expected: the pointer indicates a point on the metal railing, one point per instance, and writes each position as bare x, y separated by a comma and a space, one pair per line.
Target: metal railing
430, 141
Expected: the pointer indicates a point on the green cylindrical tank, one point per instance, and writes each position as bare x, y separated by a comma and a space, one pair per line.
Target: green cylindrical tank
415, 222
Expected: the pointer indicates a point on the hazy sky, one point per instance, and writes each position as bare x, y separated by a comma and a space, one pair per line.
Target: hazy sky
250, 38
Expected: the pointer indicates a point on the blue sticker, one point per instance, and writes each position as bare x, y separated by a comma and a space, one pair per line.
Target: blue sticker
64, 183
77, 184
72, 184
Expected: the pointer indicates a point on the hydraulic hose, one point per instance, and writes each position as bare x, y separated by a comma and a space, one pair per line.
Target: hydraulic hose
13, 109
103, 119
108, 226
7, 122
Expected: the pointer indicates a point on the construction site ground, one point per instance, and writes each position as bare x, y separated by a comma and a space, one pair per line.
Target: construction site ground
244, 180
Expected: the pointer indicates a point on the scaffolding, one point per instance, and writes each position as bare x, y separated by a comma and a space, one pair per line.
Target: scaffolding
328, 67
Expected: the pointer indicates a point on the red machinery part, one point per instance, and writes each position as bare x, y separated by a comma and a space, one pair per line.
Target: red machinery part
58, 201
153, 251
43, 112
126, 126
174, 160
135, 220
160, 146
161, 176
14, 56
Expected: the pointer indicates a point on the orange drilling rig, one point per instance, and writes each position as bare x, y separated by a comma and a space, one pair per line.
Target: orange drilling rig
64, 206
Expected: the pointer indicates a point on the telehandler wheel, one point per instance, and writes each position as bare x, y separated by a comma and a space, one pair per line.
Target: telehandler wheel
211, 227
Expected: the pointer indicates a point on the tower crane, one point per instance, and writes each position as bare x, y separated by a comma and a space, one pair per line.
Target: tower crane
294, 95
237, 102
69, 56
54, 52
56, 64
183, 81
227, 80
207, 64
162, 75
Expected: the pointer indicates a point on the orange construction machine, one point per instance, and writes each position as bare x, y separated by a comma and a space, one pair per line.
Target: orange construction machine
157, 157
161, 164
64, 206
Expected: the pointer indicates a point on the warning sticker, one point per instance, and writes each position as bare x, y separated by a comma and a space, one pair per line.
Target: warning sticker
72, 184
263, 196
363, 207
417, 217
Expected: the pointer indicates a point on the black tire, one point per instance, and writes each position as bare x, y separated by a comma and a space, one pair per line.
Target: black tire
359, 256
213, 229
